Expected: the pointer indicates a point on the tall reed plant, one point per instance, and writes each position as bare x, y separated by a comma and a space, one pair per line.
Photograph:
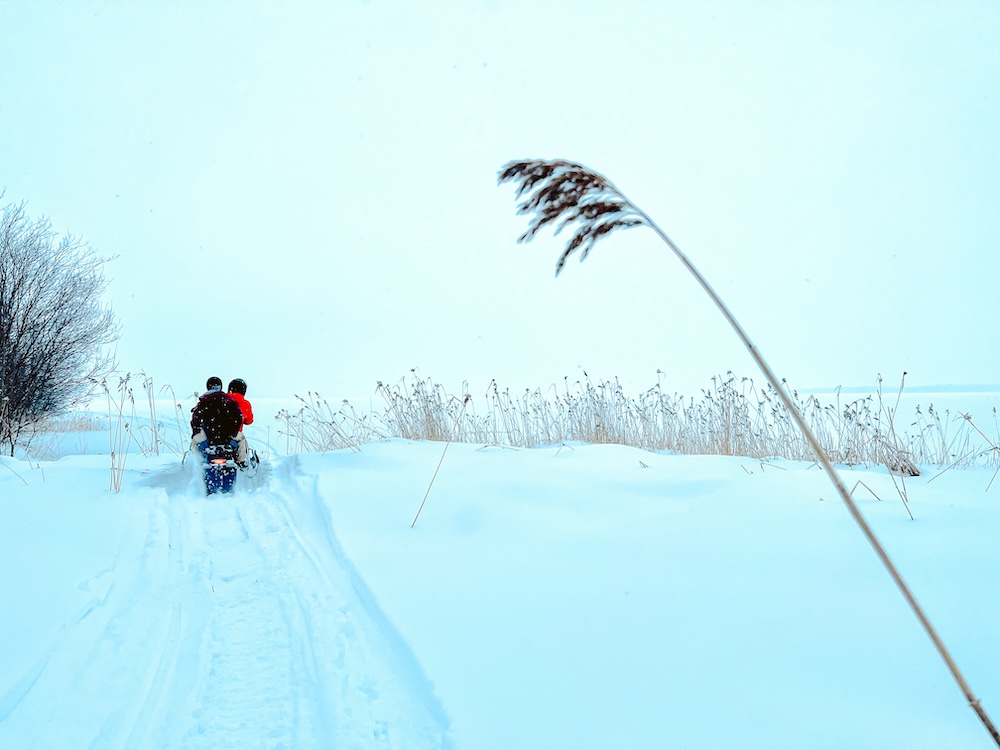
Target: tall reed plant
560, 193
127, 429
317, 426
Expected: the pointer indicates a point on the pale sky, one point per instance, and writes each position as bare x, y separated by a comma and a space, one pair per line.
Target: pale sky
303, 194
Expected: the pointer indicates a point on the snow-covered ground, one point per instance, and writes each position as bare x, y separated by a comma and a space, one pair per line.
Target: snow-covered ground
570, 596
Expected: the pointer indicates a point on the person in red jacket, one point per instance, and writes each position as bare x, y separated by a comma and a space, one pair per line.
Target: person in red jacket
237, 391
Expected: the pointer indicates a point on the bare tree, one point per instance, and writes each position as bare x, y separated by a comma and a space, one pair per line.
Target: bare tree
54, 331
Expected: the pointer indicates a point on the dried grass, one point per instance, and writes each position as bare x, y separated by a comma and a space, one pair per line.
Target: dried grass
731, 417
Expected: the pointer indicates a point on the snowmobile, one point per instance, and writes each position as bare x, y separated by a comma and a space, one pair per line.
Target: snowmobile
220, 468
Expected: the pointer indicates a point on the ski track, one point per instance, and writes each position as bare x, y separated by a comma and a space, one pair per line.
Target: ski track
227, 622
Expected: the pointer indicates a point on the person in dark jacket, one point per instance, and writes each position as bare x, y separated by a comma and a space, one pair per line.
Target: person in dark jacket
216, 419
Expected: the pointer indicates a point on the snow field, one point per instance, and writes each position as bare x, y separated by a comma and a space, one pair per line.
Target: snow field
217, 624
602, 596
579, 596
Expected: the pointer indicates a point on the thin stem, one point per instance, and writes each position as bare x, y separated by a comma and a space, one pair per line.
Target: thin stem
458, 423
831, 472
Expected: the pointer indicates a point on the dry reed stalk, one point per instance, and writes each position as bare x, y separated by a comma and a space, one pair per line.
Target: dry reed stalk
458, 423
178, 416
316, 426
11, 470
147, 386
120, 434
571, 193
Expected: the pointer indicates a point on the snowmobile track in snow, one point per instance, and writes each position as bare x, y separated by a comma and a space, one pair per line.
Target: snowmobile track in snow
242, 618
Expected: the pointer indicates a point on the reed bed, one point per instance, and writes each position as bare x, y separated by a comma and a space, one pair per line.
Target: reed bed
731, 417
317, 426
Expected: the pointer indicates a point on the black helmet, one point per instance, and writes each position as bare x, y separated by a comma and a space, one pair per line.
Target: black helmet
213, 382
239, 385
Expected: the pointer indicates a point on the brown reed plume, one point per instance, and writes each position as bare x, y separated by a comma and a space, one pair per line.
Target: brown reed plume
574, 194
571, 193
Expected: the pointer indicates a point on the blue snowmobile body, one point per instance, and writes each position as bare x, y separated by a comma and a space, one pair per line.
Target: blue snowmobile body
220, 468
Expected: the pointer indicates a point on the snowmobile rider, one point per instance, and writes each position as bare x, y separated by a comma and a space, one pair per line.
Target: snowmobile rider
216, 419
237, 391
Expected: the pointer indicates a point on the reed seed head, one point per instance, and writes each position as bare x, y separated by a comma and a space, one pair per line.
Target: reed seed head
569, 193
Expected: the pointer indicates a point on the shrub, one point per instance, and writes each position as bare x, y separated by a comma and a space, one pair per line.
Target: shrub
53, 329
